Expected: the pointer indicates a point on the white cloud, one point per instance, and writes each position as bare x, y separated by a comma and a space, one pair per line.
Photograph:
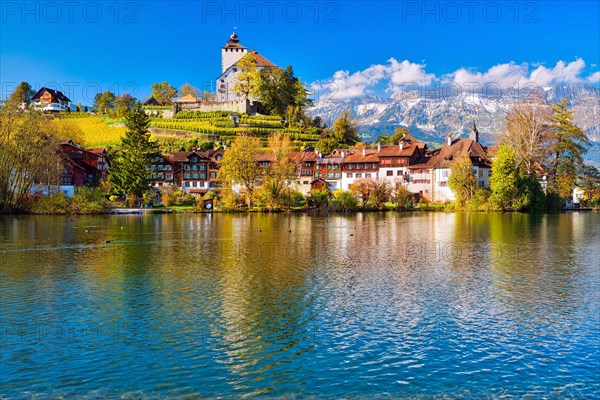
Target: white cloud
406, 72
397, 77
501, 75
594, 78
563, 73
344, 85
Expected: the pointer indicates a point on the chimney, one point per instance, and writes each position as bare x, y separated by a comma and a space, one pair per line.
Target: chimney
449, 140
317, 151
343, 154
378, 147
474, 134
401, 145
364, 152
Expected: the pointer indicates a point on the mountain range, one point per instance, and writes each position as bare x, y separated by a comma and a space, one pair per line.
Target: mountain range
431, 115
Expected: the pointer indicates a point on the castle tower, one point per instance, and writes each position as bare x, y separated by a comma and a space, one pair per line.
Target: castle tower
232, 52
474, 134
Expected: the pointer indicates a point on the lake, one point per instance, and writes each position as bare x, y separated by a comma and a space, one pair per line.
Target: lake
360, 305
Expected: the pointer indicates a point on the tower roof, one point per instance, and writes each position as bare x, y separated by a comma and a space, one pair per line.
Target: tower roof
234, 42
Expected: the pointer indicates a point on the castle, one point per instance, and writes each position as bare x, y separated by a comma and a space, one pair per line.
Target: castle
231, 54
225, 98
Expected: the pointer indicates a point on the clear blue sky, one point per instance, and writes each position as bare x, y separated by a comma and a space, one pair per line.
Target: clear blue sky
126, 46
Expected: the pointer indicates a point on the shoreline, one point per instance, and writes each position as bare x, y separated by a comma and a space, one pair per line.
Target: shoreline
191, 210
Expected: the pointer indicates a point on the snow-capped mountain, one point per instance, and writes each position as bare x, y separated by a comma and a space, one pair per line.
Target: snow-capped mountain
432, 115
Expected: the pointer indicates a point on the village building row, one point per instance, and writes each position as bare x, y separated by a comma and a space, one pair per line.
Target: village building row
409, 163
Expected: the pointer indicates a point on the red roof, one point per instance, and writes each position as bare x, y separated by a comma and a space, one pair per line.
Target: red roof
370, 156
261, 61
394, 150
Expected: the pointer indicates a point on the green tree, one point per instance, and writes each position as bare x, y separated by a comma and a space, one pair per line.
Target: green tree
127, 172
104, 102
245, 80
281, 170
22, 95
568, 145
189, 89
345, 130
462, 180
163, 92
279, 90
239, 165
123, 104
327, 143
384, 138
512, 189
399, 134
504, 179
345, 200
79, 109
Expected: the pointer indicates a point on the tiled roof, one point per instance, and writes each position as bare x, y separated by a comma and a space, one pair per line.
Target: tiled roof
461, 148
188, 98
358, 157
299, 156
261, 61
394, 150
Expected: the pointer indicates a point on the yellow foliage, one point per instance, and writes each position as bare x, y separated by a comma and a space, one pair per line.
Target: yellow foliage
90, 131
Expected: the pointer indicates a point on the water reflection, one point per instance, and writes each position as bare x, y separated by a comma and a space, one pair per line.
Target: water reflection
337, 305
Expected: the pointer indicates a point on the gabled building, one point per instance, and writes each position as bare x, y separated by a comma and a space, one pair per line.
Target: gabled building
162, 171
193, 172
395, 159
329, 168
453, 150
80, 167
305, 163
359, 164
50, 100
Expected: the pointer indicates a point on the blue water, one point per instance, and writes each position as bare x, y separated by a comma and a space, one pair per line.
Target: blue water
365, 305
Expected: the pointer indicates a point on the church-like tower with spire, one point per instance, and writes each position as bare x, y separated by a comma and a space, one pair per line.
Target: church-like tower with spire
232, 52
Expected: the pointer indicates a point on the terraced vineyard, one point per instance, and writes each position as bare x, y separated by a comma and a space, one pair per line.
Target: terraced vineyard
96, 131
217, 125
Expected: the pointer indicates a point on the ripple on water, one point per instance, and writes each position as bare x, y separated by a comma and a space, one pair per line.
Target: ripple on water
201, 306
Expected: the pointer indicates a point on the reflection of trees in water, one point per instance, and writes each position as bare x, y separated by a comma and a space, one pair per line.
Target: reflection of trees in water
534, 267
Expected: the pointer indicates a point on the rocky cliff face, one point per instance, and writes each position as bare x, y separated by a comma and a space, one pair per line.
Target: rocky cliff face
431, 116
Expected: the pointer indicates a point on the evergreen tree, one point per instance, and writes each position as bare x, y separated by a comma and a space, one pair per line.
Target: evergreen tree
568, 145
128, 172
78, 109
